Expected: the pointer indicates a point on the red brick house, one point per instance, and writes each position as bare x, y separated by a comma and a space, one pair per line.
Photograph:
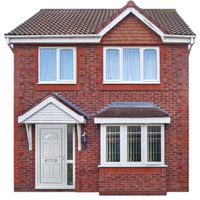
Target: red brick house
101, 101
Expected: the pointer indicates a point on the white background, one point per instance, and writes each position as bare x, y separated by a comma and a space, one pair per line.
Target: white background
13, 13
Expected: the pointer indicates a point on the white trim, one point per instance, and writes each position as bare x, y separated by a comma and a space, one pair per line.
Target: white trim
185, 39
132, 166
126, 120
22, 118
54, 39
58, 80
120, 80
29, 135
79, 136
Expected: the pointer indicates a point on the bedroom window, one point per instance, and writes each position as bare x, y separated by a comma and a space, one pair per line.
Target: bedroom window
131, 65
57, 65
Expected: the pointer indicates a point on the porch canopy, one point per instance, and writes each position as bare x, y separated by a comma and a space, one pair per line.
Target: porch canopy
53, 109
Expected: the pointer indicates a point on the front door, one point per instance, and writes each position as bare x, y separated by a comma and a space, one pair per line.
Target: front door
51, 156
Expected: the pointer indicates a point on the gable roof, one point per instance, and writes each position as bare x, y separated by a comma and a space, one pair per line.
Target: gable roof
92, 22
50, 104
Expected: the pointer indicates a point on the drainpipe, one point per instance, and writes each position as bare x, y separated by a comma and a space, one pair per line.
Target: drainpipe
8, 43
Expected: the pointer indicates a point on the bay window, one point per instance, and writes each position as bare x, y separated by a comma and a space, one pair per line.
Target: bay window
139, 65
132, 145
57, 65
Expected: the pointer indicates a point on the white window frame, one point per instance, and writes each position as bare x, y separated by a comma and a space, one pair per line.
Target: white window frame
123, 147
58, 80
142, 80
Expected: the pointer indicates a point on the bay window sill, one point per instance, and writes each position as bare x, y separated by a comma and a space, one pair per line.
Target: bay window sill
133, 166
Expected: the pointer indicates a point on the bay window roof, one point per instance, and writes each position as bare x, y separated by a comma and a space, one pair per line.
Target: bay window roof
132, 112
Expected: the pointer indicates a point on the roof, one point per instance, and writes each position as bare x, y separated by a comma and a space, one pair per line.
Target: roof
61, 100
133, 110
92, 21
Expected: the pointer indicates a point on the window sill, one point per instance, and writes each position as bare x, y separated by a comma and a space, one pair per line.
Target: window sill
55, 83
133, 166
133, 83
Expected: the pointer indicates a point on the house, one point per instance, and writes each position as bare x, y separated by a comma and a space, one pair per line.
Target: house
101, 101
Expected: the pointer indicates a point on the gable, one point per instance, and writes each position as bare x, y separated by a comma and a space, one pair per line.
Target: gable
52, 109
51, 113
131, 30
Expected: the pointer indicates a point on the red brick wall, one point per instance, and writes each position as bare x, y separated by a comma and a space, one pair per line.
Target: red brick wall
91, 96
132, 181
131, 31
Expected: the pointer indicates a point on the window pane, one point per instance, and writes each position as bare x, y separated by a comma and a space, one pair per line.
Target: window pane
112, 64
69, 142
154, 143
113, 144
47, 64
69, 174
66, 65
134, 143
131, 64
150, 64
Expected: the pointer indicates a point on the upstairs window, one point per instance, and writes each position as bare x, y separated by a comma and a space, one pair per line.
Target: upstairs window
139, 65
57, 65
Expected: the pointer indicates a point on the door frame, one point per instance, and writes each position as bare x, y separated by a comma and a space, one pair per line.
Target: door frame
38, 184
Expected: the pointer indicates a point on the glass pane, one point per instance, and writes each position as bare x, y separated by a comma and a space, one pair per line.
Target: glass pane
112, 64
69, 142
69, 174
131, 64
150, 64
154, 143
47, 64
134, 143
113, 144
66, 65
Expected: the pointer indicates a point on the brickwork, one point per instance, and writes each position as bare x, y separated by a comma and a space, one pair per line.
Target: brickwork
132, 181
90, 95
131, 31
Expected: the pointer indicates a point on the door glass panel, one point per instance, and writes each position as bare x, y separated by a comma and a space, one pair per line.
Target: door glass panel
69, 174
69, 142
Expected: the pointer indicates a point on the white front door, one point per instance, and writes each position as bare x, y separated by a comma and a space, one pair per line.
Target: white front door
51, 156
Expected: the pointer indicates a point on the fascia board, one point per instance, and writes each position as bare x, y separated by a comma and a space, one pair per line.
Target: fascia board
79, 118
146, 120
47, 39
186, 39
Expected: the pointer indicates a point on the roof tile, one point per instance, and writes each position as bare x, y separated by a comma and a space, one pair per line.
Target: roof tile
90, 21
132, 109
